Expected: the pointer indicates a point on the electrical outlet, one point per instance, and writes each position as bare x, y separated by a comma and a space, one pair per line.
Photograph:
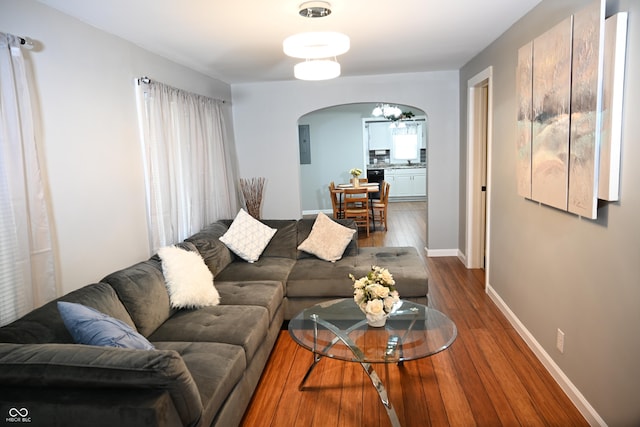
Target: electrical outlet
560, 341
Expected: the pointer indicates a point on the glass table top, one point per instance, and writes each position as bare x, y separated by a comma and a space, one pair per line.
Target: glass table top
338, 329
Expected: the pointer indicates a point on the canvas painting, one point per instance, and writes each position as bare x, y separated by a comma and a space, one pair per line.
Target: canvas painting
524, 119
584, 144
551, 115
612, 95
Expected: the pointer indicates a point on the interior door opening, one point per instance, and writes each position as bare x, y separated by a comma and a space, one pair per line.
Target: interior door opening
478, 171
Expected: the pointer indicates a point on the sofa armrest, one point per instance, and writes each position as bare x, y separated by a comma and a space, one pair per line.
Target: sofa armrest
75, 366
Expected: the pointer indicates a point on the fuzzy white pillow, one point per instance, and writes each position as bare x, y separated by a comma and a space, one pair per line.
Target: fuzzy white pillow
188, 279
247, 236
327, 239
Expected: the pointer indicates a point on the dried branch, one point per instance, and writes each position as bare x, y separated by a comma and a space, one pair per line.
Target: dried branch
252, 191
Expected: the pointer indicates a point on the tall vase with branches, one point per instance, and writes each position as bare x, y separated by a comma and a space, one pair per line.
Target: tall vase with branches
252, 190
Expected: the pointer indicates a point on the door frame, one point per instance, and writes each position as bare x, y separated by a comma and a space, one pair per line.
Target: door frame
473, 232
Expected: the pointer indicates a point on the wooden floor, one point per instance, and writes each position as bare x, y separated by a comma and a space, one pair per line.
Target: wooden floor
488, 377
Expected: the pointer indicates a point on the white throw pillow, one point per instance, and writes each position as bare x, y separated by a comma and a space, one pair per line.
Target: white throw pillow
327, 239
188, 279
247, 237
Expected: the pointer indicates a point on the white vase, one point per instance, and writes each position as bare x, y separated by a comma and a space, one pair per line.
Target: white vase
376, 320
356, 182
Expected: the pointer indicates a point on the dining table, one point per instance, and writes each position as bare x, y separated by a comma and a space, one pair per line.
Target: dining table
370, 187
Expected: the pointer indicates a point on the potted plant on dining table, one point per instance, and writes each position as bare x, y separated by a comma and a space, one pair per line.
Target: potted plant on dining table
355, 173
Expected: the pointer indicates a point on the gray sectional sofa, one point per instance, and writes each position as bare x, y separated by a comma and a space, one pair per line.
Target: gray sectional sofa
207, 361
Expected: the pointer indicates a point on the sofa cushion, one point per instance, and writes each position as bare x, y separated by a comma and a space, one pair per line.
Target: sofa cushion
215, 253
247, 237
263, 269
328, 239
283, 243
312, 277
216, 368
44, 324
188, 279
404, 263
89, 326
305, 225
95, 369
142, 290
267, 294
245, 326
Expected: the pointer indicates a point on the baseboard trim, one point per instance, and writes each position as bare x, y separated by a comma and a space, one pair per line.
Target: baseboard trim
441, 252
462, 257
567, 386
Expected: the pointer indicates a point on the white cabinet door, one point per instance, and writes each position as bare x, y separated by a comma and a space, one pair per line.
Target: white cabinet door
379, 136
407, 182
419, 183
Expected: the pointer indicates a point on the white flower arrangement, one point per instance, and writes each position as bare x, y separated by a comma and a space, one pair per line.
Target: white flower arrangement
376, 292
355, 172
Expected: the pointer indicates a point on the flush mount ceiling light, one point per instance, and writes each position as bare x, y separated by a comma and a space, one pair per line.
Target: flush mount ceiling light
319, 48
315, 45
316, 69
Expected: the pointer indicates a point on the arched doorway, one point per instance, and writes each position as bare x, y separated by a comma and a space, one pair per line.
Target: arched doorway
338, 138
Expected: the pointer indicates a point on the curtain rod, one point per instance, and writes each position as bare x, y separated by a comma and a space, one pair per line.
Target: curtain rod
146, 80
26, 42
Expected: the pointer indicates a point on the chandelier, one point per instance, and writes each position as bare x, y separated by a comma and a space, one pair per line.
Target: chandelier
392, 113
318, 49
389, 112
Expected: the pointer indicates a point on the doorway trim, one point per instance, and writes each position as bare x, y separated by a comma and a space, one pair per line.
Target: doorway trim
474, 227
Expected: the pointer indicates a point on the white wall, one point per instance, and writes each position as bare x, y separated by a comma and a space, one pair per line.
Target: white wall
336, 147
266, 131
554, 269
84, 80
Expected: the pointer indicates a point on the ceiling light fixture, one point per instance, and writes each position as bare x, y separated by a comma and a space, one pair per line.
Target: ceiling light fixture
319, 49
315, 9
314, 45
389, 112
317, 69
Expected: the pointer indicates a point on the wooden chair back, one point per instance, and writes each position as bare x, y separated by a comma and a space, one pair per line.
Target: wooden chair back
335, 202
356, 206
380, 206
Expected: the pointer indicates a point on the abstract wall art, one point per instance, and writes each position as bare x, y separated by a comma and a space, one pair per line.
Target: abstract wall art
551, 102
569, 112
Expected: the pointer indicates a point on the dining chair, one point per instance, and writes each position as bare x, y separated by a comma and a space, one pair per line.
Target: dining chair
356, 206
379, 206
335, 202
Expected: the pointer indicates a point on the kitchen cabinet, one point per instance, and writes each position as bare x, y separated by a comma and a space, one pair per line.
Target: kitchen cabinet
378, 136
407, 182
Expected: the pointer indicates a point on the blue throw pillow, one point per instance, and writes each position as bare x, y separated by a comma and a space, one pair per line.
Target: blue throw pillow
89, 326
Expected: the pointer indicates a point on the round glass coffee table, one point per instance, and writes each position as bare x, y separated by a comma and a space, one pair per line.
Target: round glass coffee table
338, 329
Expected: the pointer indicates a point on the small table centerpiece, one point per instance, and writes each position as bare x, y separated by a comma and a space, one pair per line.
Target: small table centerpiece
355, 173
375, 294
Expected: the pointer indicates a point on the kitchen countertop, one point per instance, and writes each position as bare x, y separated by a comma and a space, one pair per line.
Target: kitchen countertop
396, 166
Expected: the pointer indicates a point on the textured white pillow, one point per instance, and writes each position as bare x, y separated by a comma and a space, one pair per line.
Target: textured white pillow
247, 236
188, 279
327, 239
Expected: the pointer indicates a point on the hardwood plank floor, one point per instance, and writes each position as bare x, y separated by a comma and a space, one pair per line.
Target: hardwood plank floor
488, 377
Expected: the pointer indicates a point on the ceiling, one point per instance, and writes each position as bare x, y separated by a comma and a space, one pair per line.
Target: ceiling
241, 41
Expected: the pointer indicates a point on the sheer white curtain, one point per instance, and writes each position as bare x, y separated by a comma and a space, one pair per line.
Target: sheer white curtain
189, 166
27, 267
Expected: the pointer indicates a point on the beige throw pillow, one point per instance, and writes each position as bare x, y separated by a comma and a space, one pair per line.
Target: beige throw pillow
327, 239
